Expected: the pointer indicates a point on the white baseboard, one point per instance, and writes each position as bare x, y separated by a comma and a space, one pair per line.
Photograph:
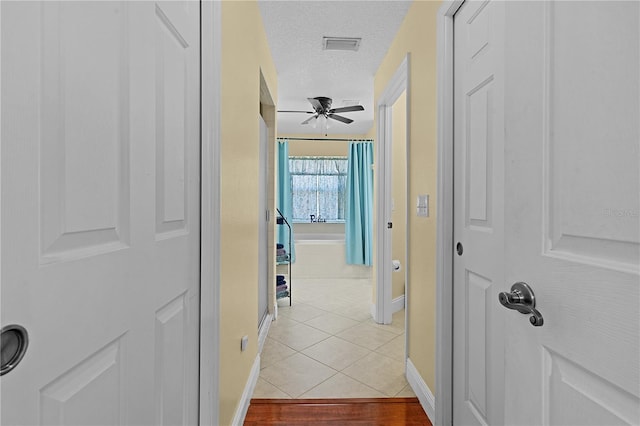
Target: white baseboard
422, 391
264, 331
245, 399
397, 304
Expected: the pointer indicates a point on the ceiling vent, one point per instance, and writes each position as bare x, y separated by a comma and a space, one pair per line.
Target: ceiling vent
341, 43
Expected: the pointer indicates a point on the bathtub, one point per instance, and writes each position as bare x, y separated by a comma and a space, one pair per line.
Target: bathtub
322, 255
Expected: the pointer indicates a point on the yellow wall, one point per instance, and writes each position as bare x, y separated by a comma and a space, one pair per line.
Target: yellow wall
245, 54
417, 36
399, 191
326, 147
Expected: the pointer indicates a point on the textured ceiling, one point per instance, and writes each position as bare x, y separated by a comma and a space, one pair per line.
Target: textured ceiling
294, 32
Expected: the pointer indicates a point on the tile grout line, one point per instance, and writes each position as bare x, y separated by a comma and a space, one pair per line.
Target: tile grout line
360, 320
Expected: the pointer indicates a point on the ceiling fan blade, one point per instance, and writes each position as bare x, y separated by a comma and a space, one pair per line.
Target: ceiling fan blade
315, 104
347, 109
340, 118
309, 119
303, 112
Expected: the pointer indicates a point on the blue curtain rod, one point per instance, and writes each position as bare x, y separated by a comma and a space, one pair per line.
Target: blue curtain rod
327, 139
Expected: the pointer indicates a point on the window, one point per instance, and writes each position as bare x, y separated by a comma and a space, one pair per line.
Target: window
318, 187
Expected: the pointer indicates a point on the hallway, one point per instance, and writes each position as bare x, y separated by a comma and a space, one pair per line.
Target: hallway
327, 346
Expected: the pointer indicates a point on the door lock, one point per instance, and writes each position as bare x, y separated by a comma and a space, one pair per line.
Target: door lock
523, 300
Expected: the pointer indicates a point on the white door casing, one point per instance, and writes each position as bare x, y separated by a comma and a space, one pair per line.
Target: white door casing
100, 224
381, 309
572, 211
263, 218
478, 215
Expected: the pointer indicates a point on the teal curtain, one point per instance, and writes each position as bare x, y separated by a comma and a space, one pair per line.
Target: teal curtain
359, 210
285, 203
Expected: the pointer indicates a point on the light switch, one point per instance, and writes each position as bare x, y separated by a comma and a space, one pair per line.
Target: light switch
422, 206
244, 342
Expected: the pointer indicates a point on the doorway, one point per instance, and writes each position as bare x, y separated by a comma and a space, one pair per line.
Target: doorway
267, 309
388, 130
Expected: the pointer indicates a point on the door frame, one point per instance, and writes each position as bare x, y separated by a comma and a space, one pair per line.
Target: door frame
444, 218
210, 66
398, 84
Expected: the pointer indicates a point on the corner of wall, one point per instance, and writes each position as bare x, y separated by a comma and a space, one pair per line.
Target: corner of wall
245, 57
417, 36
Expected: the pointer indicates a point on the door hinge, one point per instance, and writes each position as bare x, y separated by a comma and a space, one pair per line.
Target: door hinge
389, 225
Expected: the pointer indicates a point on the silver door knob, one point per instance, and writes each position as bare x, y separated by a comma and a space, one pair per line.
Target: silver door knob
523, 300
14, 341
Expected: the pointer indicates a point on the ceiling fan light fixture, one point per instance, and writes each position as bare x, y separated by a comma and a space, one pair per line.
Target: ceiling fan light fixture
341, 43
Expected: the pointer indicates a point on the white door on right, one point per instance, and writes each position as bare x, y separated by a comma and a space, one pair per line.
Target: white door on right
572, 185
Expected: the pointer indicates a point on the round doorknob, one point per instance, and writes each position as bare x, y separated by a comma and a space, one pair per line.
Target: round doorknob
14, 341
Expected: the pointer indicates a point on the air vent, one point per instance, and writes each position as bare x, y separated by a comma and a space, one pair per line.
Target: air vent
341, 43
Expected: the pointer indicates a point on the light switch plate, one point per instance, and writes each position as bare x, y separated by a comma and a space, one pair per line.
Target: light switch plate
244, 342
422, 205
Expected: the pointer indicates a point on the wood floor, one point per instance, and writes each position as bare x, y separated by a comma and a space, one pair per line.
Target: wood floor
369, 411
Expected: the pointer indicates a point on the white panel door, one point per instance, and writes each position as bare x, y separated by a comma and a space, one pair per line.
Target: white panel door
572, 211
478, 215
570, 147
100, 211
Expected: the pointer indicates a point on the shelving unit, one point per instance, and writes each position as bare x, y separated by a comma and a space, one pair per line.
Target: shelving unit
284, 262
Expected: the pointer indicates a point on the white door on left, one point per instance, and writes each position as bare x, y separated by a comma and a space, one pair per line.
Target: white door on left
100, 211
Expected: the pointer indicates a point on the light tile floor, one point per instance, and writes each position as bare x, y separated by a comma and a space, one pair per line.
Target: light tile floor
327, 346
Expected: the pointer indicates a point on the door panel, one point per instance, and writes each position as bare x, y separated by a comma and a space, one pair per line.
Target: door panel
171, 127
579, 162
572, 210
83, 217
478, 215
100, 205
171, 351
68, 399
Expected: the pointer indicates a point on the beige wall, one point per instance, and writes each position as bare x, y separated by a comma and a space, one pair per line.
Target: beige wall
245, 54
399, 192
417, 36
325, 147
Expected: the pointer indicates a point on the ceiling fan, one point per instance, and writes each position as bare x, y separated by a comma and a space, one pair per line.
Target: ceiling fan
322, 108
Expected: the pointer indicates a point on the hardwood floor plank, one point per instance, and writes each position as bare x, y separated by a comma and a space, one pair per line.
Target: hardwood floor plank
354, 411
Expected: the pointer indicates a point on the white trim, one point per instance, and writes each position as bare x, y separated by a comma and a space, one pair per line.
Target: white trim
395, 87
264, 331
444, 217
397, 304
210, 24
247, 393
374, 312
422, 391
